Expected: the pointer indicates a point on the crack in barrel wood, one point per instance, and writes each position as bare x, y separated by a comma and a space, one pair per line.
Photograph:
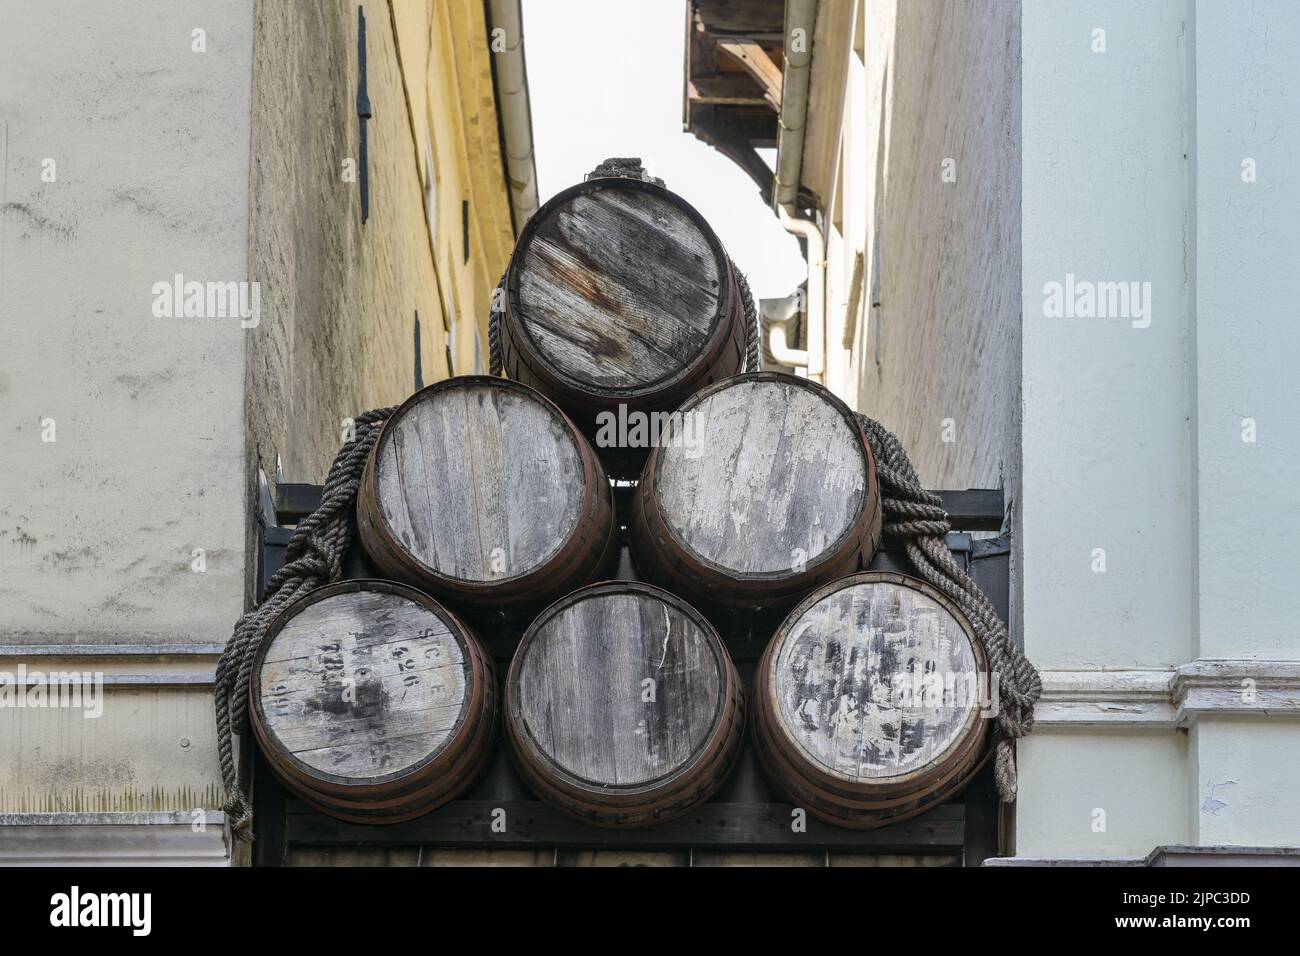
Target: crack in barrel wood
622, 706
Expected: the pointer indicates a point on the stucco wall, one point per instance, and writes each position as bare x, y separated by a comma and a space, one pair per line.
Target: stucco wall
148, 137
1155, 531
943, 82
340, 298
462, 127
1247, 100
1247, 336
1106, 434
98, 526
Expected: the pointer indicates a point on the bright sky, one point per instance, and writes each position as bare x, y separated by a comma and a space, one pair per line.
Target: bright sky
605, 79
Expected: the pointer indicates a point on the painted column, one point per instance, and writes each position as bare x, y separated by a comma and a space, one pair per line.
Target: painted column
1156, 320
1246, 762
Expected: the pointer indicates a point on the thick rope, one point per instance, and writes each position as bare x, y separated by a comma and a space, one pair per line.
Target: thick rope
625, 167
753, 327
314, 556
917, 517
494, 330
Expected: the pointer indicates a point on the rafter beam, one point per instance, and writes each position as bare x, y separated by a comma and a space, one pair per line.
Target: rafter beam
758, 65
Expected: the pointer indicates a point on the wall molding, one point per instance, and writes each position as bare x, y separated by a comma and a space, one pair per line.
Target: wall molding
1169, 698
122, 665
113, 839
1170, 856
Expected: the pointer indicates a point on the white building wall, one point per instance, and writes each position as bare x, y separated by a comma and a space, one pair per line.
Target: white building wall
937, 360
1171, 676
1247, 236
149, 144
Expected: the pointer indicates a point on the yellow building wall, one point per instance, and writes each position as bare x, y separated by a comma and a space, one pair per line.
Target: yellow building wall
340, 298
446, 62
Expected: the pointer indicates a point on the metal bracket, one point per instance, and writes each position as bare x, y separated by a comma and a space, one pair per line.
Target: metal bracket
364, 113
272, 539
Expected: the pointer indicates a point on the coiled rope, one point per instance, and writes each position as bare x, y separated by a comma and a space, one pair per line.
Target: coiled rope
313, 557
917, 518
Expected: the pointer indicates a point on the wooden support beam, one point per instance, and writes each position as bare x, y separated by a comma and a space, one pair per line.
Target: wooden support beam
727, 89
731, 826
758, 65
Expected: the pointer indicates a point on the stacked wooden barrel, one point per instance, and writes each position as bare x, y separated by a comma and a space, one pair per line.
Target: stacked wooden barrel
622, 707
481, 491
619, 300
764, 488
373, 702
869, 702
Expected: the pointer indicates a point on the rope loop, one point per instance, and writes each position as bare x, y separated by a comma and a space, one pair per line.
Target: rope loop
313, 557
916, 516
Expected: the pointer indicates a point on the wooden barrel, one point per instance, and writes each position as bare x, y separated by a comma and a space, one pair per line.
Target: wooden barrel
870, 702
481, 491
372, 702
619, 294
763, 489
622, 706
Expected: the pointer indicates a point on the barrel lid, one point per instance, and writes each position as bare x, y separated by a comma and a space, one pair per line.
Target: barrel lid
619, 688
362, 682
618, 285
877, 679
481, 511
762, 473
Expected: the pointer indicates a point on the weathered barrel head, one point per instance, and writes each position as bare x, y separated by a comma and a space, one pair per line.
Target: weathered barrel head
871, 700
623, 706
763, 487
372, 701
482, 491
618, 292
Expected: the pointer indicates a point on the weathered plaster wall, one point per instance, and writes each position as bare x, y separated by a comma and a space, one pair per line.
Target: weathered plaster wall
1106, 408
148, 138
1247, 337
461, 118
1107, 443
1246, 137
340, 298
943, 82
1244, 782
1085, 794
150, 145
